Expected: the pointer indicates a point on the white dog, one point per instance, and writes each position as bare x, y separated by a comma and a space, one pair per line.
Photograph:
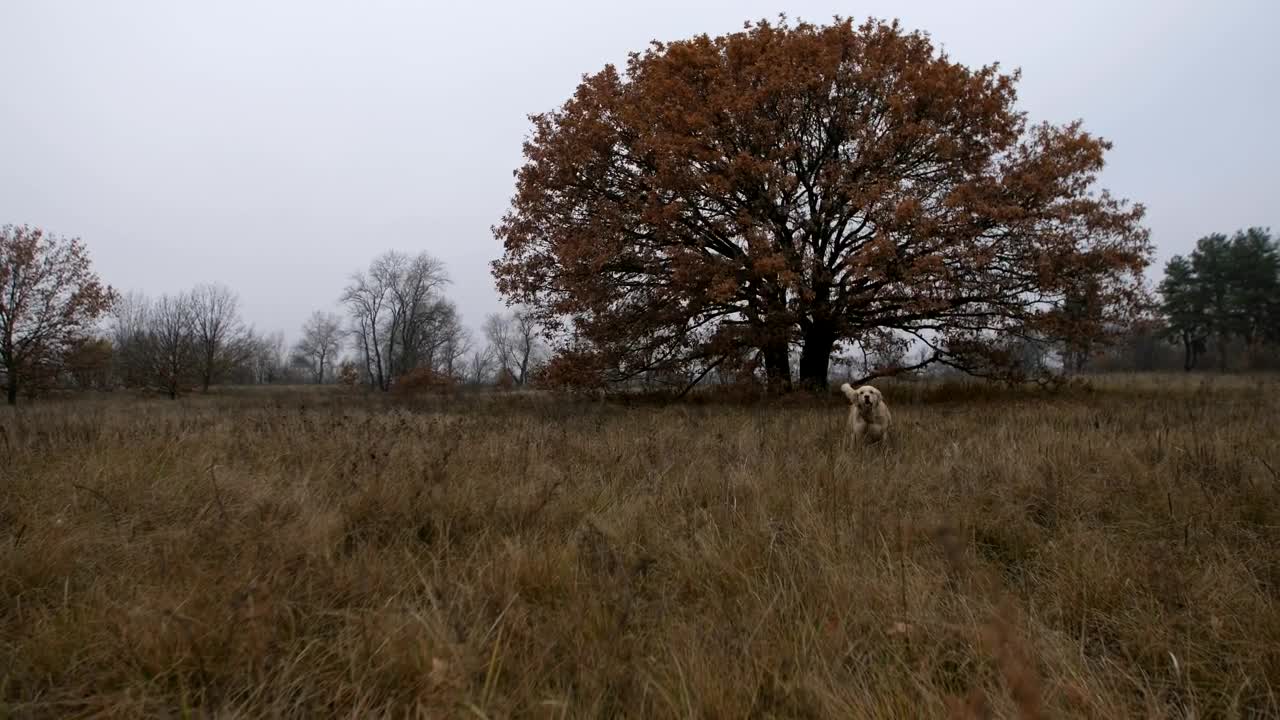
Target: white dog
869, 417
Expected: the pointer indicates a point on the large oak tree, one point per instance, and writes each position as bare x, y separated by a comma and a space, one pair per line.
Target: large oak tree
788, 186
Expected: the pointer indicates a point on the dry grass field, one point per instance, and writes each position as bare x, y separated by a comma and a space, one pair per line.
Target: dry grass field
1105, 552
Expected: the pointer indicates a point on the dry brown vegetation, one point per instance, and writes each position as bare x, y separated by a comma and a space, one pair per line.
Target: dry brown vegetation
1097, 553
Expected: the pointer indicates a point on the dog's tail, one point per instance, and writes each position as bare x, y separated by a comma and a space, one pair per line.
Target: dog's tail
849, 392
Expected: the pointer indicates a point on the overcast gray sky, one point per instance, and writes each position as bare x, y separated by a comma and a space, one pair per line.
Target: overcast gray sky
278, 145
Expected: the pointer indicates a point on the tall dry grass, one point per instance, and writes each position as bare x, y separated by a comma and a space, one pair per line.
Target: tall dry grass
1106, 552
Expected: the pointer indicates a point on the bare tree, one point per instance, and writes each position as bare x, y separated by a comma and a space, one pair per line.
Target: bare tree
480, 365
399, 320
219, 332
172, 348
497, 330
268, 361
455, 345
49, 300
442, 339
529, 348
420, 312
320, 344
259, 359
128, 332
150, 350
367, 300
515, 342
128, 316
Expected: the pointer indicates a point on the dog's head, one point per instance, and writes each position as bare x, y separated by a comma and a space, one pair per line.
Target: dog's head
865, 397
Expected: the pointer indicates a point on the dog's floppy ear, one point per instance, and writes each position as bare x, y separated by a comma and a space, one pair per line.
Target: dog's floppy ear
849, 392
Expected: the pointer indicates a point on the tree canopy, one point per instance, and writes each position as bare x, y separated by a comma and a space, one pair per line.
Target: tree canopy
49, 300
1226, 288
801, 187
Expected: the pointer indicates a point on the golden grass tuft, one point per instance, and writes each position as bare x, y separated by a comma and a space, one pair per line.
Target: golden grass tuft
1108, 551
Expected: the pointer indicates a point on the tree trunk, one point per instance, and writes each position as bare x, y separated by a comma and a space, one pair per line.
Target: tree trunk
368, 361
1081, 359
1188, 359
1250, 352
815, 357
1222, 352
777, 367
12, 377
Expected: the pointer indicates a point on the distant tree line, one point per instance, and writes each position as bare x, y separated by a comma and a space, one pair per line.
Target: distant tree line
188, 341
61, 327
400, 330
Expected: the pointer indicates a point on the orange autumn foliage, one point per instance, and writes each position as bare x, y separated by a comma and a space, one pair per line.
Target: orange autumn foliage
50, 299
807, 186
